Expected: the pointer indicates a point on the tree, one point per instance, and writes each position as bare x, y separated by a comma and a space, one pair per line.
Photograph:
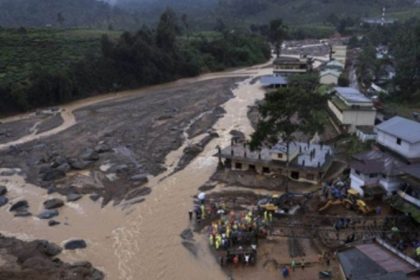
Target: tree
167, 30
308, 81
285, 112
277, 34
184, 19
343, 81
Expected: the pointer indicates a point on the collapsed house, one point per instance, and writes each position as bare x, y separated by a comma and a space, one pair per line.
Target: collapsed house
308, 162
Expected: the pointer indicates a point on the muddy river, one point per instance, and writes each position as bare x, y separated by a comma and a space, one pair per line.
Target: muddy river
138, 241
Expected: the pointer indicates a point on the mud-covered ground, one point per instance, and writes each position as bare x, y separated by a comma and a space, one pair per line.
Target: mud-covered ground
36, 260
115, 145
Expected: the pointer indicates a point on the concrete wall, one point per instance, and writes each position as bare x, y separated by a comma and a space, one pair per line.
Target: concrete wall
358, 117
364, 137
405, 149
328, 80
390, 184
335, 111
357, 183
409, 198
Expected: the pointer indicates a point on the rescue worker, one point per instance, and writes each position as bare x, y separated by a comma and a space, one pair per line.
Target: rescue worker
211, 239
285, 272
203, 211
247, 259
270, 216
293, 265
265, 216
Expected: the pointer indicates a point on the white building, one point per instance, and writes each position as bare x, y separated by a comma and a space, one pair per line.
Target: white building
329, 77
375, 169
351, 109
401, 136
339, 53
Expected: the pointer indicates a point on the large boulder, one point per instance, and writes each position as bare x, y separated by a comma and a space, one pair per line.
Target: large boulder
65, 167
20, 205
73, 197
3, 200
89, 155
94, 196
142, 178
48, 248
75, 244
51, 174
23, 213
3, 190
52, 223
102, 148
53, 203
79, 164
48, 214
59, 160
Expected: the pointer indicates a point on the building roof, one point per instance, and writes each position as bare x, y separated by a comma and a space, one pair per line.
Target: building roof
374, 262
289, 60
412, 170
305, 155
352, 95
402, 128
273, 80
334, 64
377, 162
332, 72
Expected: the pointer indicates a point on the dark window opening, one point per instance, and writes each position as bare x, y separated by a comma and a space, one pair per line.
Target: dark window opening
266, 170
399, 141
252, 167
238, 165
294, 175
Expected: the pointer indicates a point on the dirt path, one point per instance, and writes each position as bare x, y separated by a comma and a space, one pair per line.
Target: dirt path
140, 241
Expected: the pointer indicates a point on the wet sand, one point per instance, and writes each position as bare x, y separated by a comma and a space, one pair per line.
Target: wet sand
139, 241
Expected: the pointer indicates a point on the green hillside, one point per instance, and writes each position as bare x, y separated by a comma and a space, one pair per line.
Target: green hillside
21, 51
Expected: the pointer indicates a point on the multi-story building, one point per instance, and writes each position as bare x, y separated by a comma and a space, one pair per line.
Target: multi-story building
351, 108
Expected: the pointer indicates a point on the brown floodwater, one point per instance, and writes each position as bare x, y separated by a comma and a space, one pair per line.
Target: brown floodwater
140, 241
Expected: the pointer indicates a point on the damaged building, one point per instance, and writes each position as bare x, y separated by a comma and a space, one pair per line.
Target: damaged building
308, 162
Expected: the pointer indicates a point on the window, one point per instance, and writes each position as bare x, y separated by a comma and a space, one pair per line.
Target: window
238, 165
280, 155
295, 175
266, 170
399, 141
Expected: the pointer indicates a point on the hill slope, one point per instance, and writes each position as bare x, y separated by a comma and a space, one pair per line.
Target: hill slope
62, 13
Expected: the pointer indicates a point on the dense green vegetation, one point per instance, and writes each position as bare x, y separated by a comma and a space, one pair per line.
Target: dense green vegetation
64, 13
403, 40
304, 15
57, 66
23, 50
